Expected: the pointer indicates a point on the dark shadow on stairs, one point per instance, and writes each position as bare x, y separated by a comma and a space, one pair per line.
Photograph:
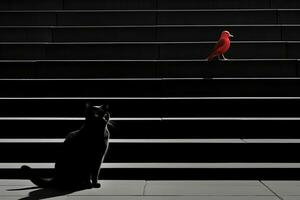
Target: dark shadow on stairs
44, 193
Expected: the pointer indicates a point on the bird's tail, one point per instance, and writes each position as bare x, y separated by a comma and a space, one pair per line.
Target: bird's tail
40, 182
211, 56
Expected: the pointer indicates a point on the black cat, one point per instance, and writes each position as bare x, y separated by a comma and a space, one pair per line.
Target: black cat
82, 153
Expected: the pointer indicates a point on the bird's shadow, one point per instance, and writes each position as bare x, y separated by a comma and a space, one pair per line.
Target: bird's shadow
44, 193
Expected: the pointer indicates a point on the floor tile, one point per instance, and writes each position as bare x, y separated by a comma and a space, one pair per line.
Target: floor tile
32, 198
17, 182
210, 198
37, 193
116, 187
104, 198
284, 188
215, 188
291, 197
109, 188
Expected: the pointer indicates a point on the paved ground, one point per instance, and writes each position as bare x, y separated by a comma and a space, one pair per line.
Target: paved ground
160, 190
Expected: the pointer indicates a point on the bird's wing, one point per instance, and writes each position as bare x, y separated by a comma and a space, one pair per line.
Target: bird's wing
214, 52
219, 44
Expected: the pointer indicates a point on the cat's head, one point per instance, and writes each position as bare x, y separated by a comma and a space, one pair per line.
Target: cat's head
97, 113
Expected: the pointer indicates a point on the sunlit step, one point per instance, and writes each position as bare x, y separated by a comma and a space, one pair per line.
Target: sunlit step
178, 141
151, 118
164, 165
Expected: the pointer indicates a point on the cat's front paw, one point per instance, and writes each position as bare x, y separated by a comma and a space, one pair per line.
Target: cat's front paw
96, 185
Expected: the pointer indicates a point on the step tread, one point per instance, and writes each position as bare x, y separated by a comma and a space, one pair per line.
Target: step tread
105, 165
145, 26
165, 141
152, 43
173, 141
154, 119
243, 60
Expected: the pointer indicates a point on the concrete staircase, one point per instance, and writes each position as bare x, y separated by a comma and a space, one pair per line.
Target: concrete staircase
176, 115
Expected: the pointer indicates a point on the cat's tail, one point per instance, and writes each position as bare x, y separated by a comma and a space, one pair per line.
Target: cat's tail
40, 182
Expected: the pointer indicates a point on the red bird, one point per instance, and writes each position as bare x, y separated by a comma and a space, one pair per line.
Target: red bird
221, 47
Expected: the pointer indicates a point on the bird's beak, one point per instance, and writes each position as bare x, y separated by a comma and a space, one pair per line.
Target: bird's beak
230, 35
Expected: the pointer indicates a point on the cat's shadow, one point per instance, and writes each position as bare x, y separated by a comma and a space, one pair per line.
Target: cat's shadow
44, 193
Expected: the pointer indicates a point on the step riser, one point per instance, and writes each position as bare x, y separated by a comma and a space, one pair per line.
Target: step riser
138, 4
149, 69
162, 152
151, 88
144, 51
77, 5
148, 34
157, 129
157, 108
148, 18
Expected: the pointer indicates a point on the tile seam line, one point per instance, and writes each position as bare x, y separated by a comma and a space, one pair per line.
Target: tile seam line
144, 188
272, 191
244, 140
